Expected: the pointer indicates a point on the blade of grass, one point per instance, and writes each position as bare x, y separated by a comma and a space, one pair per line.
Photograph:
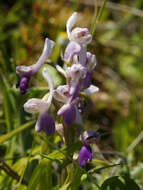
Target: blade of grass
15, 132
6, 104
94, 17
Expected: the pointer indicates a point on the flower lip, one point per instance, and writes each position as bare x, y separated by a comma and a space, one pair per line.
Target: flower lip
23, 84
68, 111
85, 155
45, 123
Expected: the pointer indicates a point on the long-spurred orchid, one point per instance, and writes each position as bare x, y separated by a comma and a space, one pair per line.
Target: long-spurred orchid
78, 37
69, 98
25, 72
45, 122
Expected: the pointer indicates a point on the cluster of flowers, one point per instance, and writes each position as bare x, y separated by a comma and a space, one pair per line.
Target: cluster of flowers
78, 75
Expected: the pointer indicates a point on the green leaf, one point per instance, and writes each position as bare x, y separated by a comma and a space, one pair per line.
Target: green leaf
64, 152
42, 177
7, 110
73, 179
119, 183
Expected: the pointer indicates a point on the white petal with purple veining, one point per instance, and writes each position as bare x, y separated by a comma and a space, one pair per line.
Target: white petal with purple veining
72, 49
35, 105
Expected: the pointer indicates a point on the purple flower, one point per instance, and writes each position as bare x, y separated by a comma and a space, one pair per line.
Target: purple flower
86, 82
85, 155
68, 95
68, 111
23, 84
25, 72
78, 37
89, 136
45, 123
34, 105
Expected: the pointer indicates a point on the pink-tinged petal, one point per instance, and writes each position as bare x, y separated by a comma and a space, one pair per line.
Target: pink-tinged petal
49, 80
35, 105
45, 123
91, 89
76, 71
72, 49
68, 111
85, 155
61, 94
81, 36
70, 23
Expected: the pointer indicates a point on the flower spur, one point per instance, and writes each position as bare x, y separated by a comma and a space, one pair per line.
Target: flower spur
25, 72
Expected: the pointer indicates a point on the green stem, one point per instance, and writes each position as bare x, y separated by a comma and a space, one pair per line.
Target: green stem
98, 17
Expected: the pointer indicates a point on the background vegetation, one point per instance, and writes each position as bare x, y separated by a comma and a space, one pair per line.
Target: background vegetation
116, 110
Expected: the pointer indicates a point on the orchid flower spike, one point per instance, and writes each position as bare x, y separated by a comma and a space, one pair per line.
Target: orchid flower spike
45, 122
78, 37
25, 72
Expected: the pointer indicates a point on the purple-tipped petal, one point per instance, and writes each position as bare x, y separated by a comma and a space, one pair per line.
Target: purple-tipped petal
45, 123
85, 155
68, 111
89, 137
86, 82
72, 49
24, 71
23, 84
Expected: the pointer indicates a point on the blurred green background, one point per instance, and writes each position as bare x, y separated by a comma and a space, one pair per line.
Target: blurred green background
117, 109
